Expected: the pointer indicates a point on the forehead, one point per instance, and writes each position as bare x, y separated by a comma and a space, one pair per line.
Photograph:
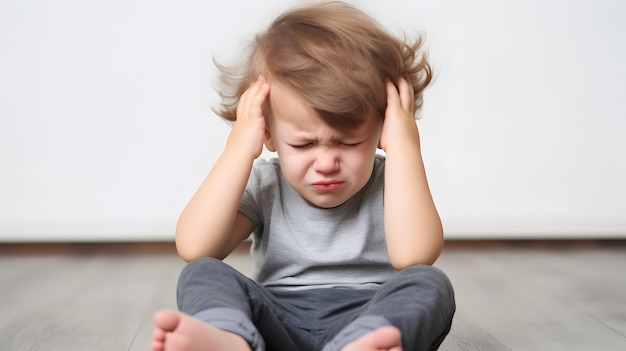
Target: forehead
287, 108
285, 103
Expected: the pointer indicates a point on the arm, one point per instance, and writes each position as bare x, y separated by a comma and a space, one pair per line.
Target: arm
210, 225
413, 229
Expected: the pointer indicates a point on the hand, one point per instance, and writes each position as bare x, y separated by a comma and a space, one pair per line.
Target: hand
413, 230
399, 126
248, 132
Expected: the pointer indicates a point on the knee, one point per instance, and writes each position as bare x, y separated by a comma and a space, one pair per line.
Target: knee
424, 271
204, 266
203, 263
427, 275
430, 281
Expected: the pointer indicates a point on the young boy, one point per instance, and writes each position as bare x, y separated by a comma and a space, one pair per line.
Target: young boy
324, 87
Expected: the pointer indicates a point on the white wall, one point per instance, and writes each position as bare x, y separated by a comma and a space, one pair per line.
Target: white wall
106, 128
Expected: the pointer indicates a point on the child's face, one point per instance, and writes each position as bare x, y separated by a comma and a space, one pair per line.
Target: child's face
324, 165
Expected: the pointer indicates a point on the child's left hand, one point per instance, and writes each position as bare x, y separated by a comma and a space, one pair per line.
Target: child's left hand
399, 126
413, 230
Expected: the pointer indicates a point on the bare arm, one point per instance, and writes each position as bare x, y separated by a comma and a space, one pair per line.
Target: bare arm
413, 229
210, 225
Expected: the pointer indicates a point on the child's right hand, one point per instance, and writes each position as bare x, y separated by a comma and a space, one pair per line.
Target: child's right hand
248, 132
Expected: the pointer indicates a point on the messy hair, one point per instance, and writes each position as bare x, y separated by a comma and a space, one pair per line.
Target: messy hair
332, 55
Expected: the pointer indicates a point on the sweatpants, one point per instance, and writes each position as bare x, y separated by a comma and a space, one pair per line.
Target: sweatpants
418, 300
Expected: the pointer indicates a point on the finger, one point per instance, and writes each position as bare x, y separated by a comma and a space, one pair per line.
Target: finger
249, 96
405, 89
243, 108
241, 105
256, 104
393, 99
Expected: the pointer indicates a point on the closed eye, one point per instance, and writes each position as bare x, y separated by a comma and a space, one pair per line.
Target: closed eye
300, 146
349, 144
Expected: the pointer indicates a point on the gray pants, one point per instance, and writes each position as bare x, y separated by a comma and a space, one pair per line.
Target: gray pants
418, 300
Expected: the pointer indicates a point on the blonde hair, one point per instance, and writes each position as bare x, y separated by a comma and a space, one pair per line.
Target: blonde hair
336, 57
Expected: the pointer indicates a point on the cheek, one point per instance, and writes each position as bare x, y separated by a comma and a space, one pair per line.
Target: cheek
363, 161
293, 164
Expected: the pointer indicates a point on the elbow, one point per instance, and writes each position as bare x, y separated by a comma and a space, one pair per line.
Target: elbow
190, 250
404, 257
400, 263
189, 254
187, 258
186, 253
184, 247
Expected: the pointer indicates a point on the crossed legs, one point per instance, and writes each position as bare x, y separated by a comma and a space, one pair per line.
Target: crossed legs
418, 302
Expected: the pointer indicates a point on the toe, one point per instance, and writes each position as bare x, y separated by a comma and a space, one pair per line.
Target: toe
167, 320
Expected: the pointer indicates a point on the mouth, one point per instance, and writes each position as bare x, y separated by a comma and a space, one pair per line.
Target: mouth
328, 186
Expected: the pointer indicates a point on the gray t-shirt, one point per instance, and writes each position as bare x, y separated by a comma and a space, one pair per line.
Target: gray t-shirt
298, 246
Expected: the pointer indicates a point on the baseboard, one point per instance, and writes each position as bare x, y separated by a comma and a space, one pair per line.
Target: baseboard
78, 248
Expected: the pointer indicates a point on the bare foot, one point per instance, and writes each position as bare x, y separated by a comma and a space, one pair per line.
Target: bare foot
176, 331
382, 339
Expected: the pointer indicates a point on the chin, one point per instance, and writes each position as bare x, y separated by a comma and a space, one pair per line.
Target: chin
322, 203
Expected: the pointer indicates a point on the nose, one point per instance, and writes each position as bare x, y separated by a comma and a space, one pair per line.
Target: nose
326, 161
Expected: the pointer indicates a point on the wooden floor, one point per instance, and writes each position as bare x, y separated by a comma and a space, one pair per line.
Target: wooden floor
510, 295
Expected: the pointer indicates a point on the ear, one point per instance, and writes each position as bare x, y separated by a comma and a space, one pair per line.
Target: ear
269, 142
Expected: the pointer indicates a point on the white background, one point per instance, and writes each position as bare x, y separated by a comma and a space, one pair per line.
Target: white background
106, 128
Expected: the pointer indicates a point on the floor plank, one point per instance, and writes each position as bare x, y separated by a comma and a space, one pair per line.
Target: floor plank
529, 299
510, 296
81, 303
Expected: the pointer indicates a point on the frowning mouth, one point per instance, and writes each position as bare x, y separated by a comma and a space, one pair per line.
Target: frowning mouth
328, 186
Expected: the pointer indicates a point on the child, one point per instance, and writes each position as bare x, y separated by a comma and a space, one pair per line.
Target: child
324, 87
